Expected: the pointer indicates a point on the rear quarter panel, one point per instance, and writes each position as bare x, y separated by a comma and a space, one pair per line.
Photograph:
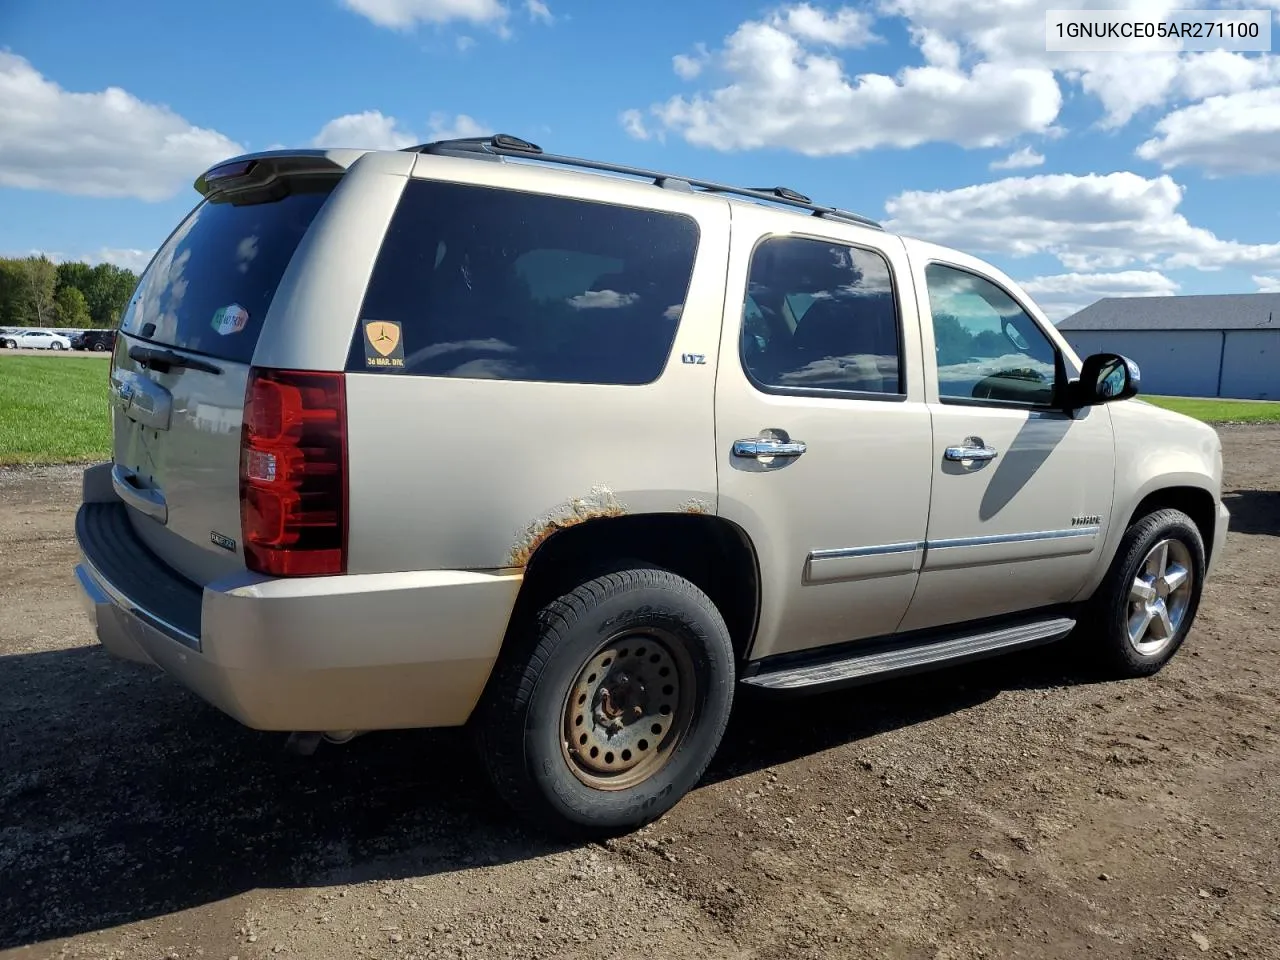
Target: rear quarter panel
453, 473
314, 311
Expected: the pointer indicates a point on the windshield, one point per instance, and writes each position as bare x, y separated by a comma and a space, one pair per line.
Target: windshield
209, 286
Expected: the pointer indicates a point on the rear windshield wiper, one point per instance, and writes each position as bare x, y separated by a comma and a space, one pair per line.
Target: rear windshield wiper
168, 358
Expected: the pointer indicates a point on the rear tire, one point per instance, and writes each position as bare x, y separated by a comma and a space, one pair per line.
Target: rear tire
99, 347
608, 707
1145, 607
58, 346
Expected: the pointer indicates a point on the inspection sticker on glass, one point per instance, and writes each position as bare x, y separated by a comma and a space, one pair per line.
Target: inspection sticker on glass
232, 319
383, 346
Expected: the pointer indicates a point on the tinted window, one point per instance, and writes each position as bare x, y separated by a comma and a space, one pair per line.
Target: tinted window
485, 283
988, 348
209, 286
820, 315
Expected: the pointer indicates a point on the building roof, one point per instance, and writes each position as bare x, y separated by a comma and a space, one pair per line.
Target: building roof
1228, 311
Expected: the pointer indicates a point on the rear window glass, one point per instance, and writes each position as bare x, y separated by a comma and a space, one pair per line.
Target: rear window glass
485, 283
209, 286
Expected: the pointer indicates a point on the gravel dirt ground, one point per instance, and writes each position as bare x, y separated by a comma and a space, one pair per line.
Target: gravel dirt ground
1005, 809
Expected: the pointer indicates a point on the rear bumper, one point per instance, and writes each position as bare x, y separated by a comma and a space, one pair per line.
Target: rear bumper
363, 652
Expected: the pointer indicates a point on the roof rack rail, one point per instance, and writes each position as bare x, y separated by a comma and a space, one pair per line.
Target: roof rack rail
501, 145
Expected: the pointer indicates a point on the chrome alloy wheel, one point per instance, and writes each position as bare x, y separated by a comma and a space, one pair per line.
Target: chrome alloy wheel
627, 710
1159, 597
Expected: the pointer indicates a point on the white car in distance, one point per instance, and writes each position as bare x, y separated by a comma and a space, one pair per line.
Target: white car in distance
37, 340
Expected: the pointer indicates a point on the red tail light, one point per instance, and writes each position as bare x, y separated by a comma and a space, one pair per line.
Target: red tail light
293, 473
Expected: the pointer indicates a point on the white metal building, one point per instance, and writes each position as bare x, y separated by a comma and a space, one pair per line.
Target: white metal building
1224, 345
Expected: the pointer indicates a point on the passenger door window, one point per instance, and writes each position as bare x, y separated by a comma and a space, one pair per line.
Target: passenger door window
821, 316
988, 348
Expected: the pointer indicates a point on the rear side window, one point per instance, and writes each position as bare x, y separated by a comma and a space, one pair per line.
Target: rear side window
485, 283
209, 286
820, 316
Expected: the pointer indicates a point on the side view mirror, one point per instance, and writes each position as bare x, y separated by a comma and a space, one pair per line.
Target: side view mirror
1105, 377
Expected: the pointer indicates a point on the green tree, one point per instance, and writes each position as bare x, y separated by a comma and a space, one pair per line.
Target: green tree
75, 273
72, 308
40, 277
108, 293
954, 343
13, 280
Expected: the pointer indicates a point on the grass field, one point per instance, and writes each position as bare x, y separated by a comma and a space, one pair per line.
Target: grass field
1221, 411
53, 409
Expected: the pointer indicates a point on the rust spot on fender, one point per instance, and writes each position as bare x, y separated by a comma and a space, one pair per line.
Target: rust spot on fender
597, 505
695, 506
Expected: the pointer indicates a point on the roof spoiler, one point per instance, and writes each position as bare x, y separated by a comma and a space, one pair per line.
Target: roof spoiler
259, 169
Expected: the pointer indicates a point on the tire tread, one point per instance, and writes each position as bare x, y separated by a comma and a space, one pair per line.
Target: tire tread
1108, 648
500, 722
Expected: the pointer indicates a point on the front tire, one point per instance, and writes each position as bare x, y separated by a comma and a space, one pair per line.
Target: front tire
610, 706
1145, 607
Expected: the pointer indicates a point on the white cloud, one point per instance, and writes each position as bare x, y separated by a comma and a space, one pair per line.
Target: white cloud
404, 14
633, 122
465, 43
538, 10
846, 27
1089, 223
1020, 158
1013, 32
1126, 85
1219, 71
444, 128
373, 130
103, 144
1234, 133
688, 66
783, 93
129, 258
368, 130
1267, 284
1060, 295
985, 79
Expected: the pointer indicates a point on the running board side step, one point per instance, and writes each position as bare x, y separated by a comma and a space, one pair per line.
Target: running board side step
896, 661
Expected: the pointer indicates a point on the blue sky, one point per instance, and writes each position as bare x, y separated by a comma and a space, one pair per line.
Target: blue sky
1081, 175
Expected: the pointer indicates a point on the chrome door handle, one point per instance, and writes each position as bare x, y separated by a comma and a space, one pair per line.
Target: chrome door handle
973, 448
758, 447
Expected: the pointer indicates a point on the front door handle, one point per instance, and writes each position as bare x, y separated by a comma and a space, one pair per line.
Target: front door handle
973, 448
760, 447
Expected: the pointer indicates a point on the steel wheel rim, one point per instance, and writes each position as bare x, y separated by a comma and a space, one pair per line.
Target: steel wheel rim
628, 709
1159, 597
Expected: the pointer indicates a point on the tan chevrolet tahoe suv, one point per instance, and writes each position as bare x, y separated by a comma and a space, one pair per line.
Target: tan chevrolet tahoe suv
568, 452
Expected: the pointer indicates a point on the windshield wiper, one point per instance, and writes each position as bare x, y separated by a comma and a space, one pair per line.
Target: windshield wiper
154, 355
